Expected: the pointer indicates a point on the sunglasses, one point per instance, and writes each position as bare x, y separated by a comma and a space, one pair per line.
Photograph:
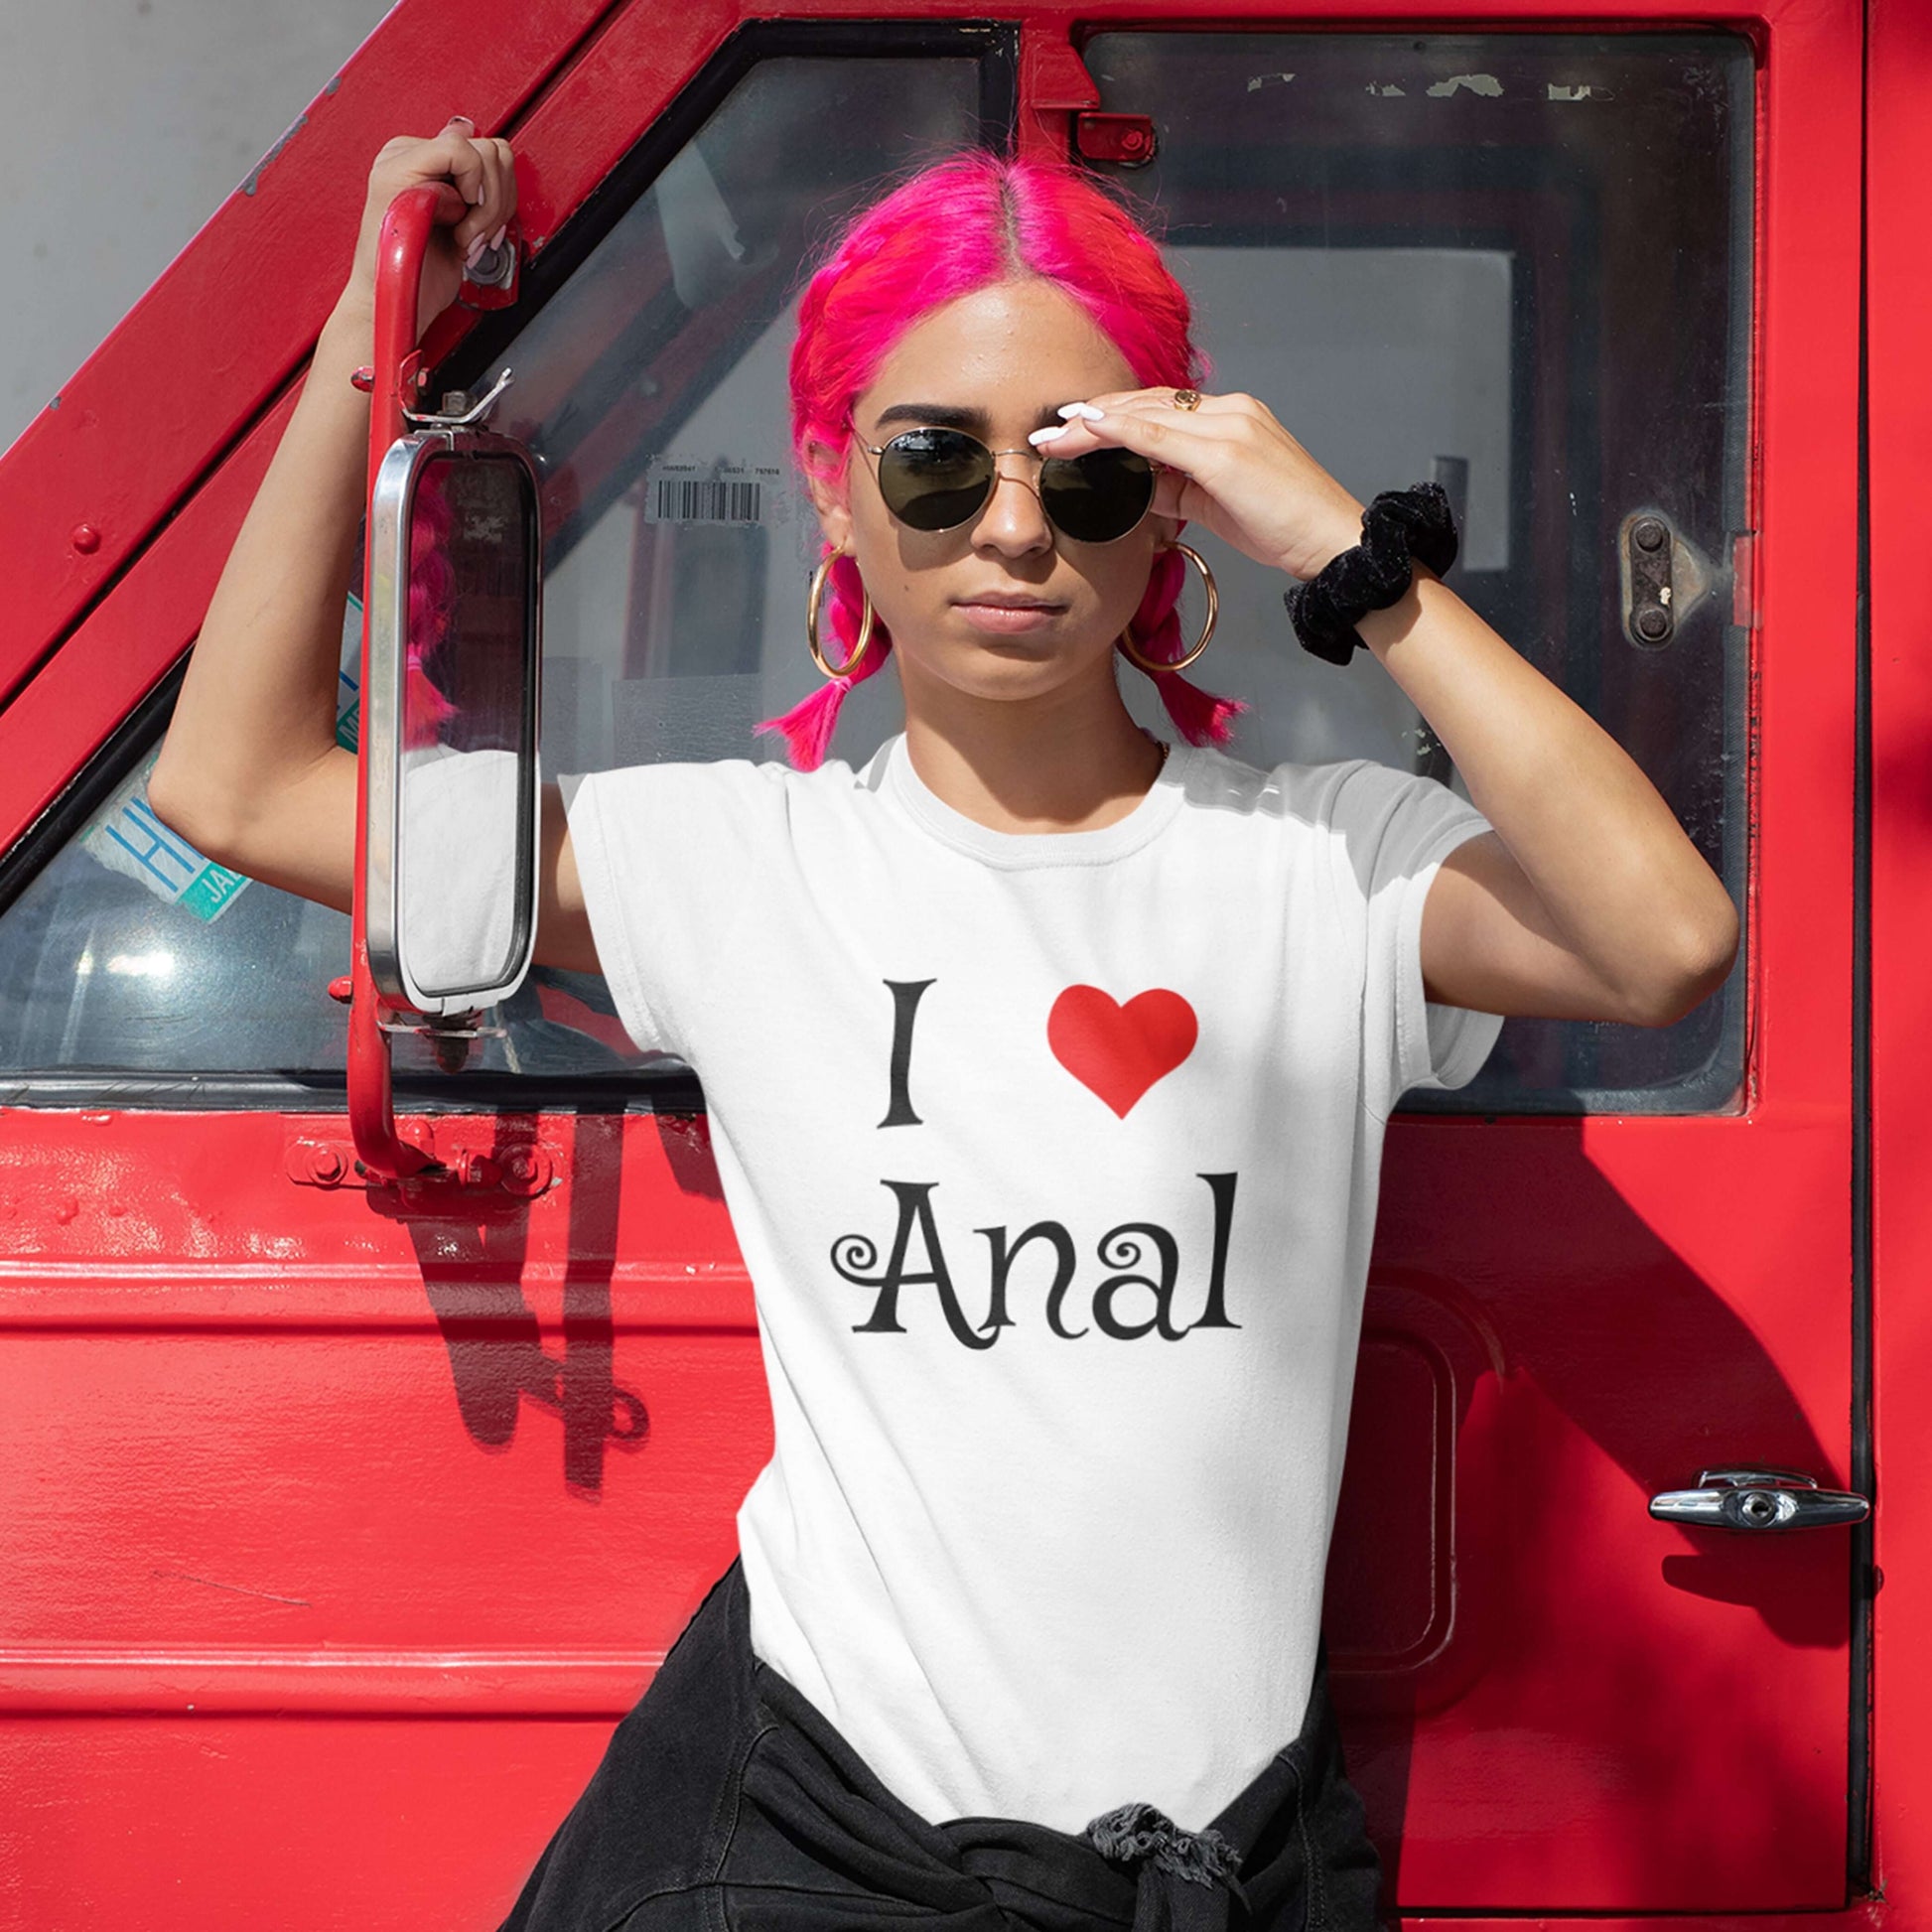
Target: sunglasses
939, 479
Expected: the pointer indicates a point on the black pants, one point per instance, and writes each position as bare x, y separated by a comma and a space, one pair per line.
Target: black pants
726, 1802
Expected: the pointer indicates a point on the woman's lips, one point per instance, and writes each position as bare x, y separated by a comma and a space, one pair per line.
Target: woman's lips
1005, 620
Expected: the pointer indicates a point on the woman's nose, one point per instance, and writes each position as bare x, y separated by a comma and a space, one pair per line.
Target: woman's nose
1013, 520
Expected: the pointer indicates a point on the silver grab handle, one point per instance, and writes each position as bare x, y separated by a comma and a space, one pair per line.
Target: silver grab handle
1758, 1499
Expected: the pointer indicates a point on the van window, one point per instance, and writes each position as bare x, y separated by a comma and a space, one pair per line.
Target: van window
1515, 263
1520, 266
651, 379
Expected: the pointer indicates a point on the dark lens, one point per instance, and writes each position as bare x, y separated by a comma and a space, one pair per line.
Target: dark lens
1098, 496
935, 478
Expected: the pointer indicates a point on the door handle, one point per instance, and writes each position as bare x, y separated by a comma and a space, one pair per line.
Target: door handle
1758, 1499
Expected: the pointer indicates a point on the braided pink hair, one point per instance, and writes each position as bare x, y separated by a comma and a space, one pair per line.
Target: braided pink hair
958, 225
432, 598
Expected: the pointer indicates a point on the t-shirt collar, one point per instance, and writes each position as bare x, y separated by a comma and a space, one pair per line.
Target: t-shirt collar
1015, 850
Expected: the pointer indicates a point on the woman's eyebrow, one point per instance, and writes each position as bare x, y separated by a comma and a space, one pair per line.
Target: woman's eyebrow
942, 415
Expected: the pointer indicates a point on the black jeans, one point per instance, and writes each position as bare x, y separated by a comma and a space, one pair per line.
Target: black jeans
726, 1802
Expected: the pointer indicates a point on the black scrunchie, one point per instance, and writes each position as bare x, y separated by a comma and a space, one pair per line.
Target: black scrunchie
1399, 526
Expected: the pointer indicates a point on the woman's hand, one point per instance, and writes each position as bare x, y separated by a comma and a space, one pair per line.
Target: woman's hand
478, 182
1228, 465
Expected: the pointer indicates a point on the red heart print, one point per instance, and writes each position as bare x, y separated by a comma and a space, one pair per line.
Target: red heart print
1119, 1051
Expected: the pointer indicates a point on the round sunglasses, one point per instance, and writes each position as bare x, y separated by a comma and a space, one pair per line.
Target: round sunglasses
939, 479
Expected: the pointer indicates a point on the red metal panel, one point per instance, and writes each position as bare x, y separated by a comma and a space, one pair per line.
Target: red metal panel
1901, 418
341, 1825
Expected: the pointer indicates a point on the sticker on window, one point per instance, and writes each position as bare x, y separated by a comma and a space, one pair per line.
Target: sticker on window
681, 489
129, 839
348, 689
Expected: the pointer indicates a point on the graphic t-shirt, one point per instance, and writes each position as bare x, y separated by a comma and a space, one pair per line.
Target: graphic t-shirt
1054, 1161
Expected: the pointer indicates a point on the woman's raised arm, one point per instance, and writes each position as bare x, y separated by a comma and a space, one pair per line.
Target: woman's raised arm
250, 770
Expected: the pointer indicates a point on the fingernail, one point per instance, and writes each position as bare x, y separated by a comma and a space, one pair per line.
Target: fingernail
477, 200
496, 240
1085, 409
1048, 435
475, 250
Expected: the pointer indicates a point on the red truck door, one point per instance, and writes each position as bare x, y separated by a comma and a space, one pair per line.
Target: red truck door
340, 1530
1554, 270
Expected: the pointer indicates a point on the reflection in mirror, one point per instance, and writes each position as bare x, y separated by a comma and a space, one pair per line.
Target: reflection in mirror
467, 718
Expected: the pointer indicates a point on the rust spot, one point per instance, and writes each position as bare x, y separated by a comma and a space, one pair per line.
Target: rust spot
249, 186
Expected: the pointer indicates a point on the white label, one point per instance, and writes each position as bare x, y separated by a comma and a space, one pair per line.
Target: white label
681, 489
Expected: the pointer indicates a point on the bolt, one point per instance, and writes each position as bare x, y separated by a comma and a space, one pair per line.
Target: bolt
1648, 533
527, 1170
1132, 140
86, 539
1653, 624
325, 1165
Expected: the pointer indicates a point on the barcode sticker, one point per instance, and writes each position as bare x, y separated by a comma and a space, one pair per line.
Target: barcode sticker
680, 489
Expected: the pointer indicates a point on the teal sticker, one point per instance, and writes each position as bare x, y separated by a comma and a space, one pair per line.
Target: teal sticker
212, 889
349, 673
127, 838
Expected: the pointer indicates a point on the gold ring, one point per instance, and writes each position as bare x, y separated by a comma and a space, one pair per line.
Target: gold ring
1186, 398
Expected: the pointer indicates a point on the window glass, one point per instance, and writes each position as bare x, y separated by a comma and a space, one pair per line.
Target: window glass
1517, 265
651, 384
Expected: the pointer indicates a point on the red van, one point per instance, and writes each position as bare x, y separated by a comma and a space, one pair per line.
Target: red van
346, 1510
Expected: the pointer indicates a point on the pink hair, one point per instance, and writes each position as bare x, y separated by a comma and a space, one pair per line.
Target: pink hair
432, 594
956, 227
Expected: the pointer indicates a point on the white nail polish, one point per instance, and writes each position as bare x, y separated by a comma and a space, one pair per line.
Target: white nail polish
1048, 435
1085, 409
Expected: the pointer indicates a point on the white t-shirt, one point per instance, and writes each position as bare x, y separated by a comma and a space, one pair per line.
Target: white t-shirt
1053, 1161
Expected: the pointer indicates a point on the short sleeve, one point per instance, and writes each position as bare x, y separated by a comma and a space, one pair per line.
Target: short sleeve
666, 856
1395, 829
454, 868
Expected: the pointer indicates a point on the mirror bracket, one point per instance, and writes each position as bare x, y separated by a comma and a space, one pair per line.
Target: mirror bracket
459, 411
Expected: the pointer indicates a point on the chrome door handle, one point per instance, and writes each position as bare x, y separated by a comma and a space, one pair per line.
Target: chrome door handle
1758, 1499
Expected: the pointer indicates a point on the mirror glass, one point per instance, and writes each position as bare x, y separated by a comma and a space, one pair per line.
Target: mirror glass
464, 858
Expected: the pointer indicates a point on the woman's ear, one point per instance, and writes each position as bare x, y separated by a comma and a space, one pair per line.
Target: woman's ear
828, 499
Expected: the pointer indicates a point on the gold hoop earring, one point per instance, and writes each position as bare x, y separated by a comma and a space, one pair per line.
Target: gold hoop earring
811, 624
1148, 664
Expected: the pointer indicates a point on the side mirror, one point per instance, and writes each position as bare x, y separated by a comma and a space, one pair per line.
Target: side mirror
444, 921
449, 712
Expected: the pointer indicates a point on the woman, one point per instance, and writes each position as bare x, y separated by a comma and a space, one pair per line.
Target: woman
1047, 1064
